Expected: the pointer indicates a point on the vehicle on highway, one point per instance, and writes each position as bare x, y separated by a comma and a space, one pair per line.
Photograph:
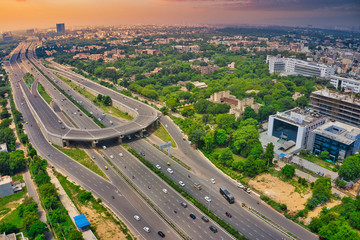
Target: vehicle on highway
230, 198
197, 185
247, 189
158, 166
112, 156
184, 204
239, 185
161, 234
121, 154
207, 198
212, 180
213, 229
106, 168
170, 170
165, 190
205, 219
146, 229
228, 214
192, 216
182, 183
137, 218
104, 147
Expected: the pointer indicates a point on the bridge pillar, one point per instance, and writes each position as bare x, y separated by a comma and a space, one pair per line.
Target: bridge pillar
66, 143
120, 139
93, 143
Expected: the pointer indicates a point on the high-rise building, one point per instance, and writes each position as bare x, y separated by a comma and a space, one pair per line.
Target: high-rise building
7, 36
292, 66
338, 106
60, 28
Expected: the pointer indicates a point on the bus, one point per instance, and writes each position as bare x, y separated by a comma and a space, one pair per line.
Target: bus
230, 198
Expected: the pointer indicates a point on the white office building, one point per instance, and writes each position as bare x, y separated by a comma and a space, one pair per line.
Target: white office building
348, 84
292, 66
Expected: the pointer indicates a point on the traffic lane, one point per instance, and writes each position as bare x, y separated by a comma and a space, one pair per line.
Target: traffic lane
206, 167
153, 186
254, 226
40, 143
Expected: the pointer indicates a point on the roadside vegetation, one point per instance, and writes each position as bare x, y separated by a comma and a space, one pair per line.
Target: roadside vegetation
102, 221
81, 157
105, 104
44, 94
161, 132
29, 79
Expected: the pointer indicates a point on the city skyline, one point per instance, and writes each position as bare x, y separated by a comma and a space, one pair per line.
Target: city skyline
24, 14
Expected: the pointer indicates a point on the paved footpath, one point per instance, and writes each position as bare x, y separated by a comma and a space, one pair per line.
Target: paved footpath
69, 205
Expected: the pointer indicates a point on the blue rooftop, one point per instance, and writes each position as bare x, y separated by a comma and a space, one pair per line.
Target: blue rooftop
81, 221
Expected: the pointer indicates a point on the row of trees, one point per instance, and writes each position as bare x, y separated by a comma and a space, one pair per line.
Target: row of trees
58, 216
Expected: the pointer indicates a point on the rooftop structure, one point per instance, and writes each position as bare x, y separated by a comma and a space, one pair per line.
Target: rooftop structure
338, 106
183, 48
292, 66
6, 186
13, 236
3, 147
339, 139
294, 125
81, 221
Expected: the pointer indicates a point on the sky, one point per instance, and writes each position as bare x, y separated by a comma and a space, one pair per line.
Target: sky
26, 14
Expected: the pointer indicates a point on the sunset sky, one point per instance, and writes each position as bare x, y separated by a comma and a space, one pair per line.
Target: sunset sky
25, 14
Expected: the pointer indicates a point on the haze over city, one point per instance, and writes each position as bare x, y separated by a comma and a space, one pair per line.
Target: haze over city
22, 14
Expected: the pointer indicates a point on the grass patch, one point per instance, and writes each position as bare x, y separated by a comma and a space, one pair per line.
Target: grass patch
11, 198
18, 177
13, 218
325, 164
80, 156
163, 134
108, 109
44, 94
76, 194
29, 79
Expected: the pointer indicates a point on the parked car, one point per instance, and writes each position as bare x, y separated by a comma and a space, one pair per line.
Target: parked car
228, 214
170, 170
212, 180
182, 183
207, 198
158, 166
192, 216
112, 156
146, 229
239, 185
137, 218
165, 190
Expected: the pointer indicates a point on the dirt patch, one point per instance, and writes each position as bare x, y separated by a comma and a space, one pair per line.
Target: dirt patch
317, 210
12, 206
280, 191
105, 228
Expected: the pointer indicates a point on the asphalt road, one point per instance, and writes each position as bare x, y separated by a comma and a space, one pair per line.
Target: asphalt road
125, 204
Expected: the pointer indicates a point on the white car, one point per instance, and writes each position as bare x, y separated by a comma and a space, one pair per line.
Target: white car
104, 147
208, 199
240, 185
137, 218
93, 157
212, 180
146, 229
121, 154
182, 183
158, 166
112, 156
165, 190
170, 170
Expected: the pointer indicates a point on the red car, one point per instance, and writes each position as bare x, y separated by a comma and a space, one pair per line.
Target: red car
228, 214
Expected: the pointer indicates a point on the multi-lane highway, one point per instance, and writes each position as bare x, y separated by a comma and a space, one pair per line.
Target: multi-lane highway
120, 197
152, 186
